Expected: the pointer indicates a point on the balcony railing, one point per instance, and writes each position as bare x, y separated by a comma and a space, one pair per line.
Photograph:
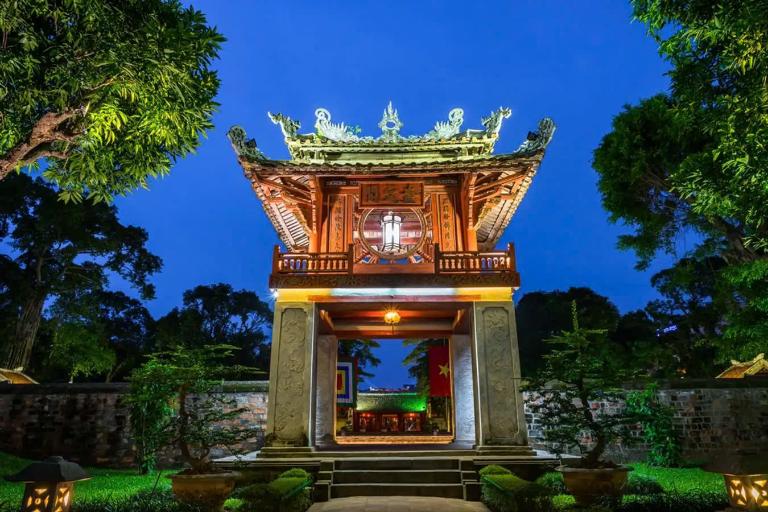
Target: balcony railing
464, 262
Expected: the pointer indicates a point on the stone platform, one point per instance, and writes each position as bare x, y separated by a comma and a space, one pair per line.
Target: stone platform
395, 470
397, 504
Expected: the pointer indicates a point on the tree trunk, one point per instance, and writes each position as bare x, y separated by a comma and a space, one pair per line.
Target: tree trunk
19, 352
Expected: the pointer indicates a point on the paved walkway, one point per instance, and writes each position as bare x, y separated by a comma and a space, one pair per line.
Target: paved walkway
397, 504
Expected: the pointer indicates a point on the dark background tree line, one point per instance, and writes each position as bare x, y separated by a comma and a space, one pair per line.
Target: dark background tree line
62, 320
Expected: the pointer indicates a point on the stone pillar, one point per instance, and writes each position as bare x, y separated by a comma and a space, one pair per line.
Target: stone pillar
290, 419
501, 420
463, 389
326, 350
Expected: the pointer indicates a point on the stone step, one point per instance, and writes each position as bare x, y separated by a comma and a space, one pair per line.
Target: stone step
435, 490
396, 464
439, 476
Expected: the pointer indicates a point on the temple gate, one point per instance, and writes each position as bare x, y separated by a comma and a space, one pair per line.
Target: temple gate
393, 237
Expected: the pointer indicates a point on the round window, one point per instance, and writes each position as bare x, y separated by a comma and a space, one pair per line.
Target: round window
392, 233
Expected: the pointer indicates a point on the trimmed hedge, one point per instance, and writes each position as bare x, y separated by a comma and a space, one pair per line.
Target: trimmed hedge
288, 493
494, 469
506, 492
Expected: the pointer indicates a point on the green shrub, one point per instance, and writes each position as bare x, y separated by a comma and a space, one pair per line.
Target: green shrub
494, 469
643, 485
284, 494
553, 482
509, 493
295, 473
656, 420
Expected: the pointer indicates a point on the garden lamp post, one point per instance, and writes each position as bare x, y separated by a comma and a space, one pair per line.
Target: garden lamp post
49, 484
746, 479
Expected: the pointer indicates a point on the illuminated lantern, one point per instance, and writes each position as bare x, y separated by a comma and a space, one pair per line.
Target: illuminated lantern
746, 479
390, 227
49, 484
391, 316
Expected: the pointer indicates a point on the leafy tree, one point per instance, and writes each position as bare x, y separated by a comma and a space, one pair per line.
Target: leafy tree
59, 248
417, 361
99, 332
694, 161
176, 401
219, 315
541, 315
583, 366
362, 351
110, 92
690, 315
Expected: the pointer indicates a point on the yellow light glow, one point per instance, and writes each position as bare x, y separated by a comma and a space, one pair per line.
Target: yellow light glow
747, 492
391, 317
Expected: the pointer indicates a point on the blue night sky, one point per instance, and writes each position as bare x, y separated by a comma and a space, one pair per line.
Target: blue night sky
577, 62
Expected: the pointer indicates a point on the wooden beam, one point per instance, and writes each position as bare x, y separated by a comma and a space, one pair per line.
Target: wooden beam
498, 183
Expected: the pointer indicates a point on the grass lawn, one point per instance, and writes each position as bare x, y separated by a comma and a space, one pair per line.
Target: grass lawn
104, 483
682, 479
673, 480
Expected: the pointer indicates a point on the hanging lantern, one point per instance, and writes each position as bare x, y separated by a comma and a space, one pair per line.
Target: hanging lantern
746, 479
391, 316
390, 232
49, 484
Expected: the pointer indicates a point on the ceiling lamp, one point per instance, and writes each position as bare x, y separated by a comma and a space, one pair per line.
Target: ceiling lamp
391, 316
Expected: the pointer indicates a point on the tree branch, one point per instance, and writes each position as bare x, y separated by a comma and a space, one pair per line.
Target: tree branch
46, 131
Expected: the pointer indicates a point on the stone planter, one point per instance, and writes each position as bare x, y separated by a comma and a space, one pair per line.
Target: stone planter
588, 485
206, 491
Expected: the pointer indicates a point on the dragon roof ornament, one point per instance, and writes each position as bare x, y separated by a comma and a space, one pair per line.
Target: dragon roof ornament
342, 143
390, 125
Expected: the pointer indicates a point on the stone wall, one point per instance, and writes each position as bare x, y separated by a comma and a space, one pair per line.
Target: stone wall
709, 416
89, 423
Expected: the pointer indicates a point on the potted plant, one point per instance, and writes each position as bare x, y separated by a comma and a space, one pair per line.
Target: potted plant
177, 403
578, 397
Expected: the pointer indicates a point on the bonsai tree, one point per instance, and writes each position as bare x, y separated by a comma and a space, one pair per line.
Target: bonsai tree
583, 367
176, 401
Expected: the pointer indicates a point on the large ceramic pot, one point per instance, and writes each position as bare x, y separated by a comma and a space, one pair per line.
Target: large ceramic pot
206, 491
589, 485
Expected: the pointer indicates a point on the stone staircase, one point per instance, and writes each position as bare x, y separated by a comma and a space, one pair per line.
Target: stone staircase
444, 477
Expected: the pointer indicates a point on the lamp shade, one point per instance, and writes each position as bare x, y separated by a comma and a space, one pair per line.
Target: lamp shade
52, 469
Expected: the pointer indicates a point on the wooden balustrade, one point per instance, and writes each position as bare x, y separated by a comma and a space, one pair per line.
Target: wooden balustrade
475, 261
445, 262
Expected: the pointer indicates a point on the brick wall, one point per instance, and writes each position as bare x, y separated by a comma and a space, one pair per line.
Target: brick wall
89, 423
709, 416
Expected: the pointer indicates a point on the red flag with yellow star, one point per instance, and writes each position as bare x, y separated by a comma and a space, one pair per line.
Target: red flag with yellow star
439, 371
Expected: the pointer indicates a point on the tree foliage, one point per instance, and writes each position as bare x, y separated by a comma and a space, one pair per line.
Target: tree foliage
540, 315
583, 366
99, 332
219, 315
361, 351
58, 248
109, 92
694, 162
176, 400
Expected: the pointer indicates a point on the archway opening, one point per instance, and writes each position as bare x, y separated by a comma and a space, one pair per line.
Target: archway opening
394, 392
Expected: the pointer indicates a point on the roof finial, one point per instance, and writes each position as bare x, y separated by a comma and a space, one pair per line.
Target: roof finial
390, 124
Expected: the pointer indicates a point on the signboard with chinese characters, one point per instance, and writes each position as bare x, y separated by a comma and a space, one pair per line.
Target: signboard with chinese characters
391, 193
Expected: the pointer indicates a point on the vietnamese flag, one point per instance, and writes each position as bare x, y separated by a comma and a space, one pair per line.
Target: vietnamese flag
439, 371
